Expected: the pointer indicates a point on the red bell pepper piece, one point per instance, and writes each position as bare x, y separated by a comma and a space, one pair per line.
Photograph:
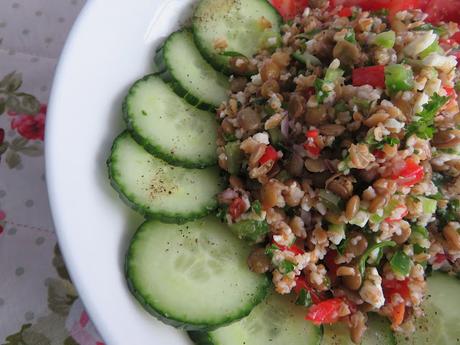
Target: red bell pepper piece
372, 75
325, 312
393, 286
410, 174
345, 12
270, 155
237, 208
294, 249
311, 146
397, 214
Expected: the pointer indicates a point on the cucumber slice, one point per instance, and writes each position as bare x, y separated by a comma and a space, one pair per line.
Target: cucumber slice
189, 74
159, 190
235, 21
193, 276
275, 321
440, 325
168, 127
377, 333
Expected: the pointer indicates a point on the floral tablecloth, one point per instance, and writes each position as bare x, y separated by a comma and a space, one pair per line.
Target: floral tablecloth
38, 303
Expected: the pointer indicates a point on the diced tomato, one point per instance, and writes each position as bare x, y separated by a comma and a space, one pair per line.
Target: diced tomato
372, 75
294, 249
270, 155
345, 12
325, 312
456, 53
397, 314
450, 91
410, 174
237, 208
393, 286
440, 258
313, 133
397, 214
289, 8
398, 5
379, 154
442, 10
312, 148
456, 37
309, 92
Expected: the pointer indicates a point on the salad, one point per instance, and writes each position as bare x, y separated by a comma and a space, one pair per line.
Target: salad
335, 199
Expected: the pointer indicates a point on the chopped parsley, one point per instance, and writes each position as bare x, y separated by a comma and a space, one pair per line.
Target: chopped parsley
230, 53
270, 250
304, 299
423, 127
439, 30
286, 266
342, 246
321, 95
256, 207
449, 214
400, 263
350, 36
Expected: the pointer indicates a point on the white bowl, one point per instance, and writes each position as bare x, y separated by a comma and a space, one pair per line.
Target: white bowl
111, 45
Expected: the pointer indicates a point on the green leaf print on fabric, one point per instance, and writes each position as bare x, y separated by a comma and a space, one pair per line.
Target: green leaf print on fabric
13, 101
16, 339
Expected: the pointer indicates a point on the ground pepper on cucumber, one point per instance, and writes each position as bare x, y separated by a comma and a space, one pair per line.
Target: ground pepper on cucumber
336, 132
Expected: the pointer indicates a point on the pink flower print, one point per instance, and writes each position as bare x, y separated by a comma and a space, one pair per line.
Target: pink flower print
80, 326
30, 126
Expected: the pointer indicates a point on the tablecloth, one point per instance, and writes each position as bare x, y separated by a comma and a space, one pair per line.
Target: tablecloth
38, 303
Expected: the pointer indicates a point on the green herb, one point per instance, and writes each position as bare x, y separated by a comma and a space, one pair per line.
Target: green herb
400, 263
222, 213
230, 137
350, 36
439, 179
367, 253
361, 103
439, 30
330, 200
309, 35
422, 231
340, 106
256, 207
383, 12
270, 250
392, 141
423, 127
230, 53
275, 135
253, 231
449, 214
283, 176
304, 299
286, 266
418, 249
457, 86
320, 94
306, 58
342, 246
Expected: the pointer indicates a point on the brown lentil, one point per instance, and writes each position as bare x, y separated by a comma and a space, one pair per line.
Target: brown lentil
258, 261
352, 206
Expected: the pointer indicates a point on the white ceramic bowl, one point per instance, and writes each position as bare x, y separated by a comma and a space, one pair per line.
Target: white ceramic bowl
111, 45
